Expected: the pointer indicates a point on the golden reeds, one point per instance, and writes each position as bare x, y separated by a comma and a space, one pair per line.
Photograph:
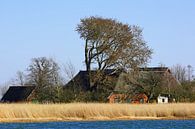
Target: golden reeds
94, 111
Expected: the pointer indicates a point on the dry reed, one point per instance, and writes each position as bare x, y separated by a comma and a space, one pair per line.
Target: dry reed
94, 111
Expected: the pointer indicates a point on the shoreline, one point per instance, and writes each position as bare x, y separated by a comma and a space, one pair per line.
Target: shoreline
28, 112
40, 120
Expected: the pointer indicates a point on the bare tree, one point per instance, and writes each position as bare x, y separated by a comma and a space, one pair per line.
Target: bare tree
190, 71
44, 74
161, 64
179, 72
20, 78
69, 71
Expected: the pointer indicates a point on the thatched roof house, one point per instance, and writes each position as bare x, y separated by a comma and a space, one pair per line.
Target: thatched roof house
18, 93
82, 82
122, 84
132, 89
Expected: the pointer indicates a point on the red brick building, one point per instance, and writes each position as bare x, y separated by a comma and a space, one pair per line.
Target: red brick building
124, 98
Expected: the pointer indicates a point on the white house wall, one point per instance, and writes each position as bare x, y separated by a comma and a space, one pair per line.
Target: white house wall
161, 98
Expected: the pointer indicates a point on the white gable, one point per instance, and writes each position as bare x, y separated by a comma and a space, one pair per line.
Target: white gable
162, 99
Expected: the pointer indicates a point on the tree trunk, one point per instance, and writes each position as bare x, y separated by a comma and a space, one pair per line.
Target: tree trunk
88, 64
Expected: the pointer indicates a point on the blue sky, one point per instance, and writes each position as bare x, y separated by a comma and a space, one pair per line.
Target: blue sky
37, 28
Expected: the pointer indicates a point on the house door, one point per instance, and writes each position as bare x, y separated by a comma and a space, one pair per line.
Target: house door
163, 100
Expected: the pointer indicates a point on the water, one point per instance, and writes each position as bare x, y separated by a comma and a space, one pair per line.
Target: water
136, 124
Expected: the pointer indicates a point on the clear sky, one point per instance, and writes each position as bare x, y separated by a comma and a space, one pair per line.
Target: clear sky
36, 28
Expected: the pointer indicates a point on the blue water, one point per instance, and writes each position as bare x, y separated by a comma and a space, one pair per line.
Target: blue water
137, 124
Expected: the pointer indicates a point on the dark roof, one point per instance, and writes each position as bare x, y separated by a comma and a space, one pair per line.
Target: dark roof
154, 69
17, 93
82, 80
106, 71
165, 95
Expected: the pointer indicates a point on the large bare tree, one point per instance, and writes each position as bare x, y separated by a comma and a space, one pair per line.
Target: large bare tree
69, 71
20, 78
44, 74
179, 72
112, 44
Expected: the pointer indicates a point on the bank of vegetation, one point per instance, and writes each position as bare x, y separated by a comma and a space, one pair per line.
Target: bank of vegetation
94, 111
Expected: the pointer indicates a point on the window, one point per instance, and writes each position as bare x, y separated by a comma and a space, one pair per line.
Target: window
116, 100
141, 100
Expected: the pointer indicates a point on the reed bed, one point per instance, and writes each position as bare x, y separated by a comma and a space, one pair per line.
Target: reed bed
94, 111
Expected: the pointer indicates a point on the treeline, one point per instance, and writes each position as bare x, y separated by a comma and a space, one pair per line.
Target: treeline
46, 75
184, 74
109, 44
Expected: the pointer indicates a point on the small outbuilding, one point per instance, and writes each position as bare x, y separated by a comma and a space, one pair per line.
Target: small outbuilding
163, 98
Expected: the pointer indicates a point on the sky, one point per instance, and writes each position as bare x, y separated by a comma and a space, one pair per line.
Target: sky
37, 28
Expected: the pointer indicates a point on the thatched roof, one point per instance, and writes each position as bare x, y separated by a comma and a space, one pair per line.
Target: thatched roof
81, 80
17, 93
123, 80
154, 69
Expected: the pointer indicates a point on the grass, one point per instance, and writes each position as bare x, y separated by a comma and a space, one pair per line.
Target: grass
94, 111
